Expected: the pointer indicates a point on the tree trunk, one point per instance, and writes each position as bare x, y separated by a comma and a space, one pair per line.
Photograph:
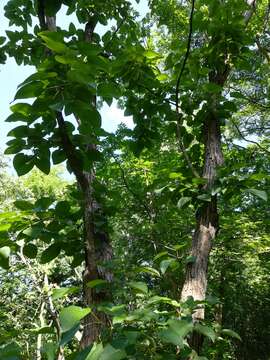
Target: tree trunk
97, 245
97, 250
207, 224
195, 283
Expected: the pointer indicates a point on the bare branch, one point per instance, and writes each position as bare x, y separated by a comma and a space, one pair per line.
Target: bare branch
247, 140
178, 116
186, 56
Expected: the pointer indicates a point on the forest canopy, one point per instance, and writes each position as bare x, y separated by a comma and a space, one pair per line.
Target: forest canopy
151, 241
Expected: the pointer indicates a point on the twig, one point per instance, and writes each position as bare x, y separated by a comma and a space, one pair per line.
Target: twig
136, 197
247, 140
115, 32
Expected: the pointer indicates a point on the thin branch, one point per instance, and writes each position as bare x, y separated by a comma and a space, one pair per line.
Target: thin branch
183, 149
262, 50
178, 115
115, 31
157, 95
247, 140
248, 15
186, 56
136, 197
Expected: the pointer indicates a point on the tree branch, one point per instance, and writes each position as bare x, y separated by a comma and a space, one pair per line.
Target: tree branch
248, 15
247, 140
178, 116
186, 56
136, 197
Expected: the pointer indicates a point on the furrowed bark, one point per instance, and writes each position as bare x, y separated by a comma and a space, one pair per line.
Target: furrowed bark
97, 244
195, 283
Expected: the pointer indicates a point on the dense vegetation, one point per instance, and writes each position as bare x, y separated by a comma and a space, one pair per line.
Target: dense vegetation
160, 247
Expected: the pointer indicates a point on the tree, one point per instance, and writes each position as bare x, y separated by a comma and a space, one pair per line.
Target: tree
191, 75
52, 92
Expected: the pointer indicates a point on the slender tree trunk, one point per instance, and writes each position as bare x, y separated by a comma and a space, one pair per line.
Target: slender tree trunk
195, 283
42, 323
97, 245
98, 249
207, 220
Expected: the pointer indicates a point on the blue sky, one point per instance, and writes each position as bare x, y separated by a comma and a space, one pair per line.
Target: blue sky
11, 75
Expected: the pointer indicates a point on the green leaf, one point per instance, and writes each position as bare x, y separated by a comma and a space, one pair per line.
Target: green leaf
2, 40
65, 59
95, 352
237, 95
110, 353
69, 335
89, 116
109, 90
37, 76
43, 203
62, 292
206, 331
23, 205
10, 352
22, 109
162, 299
50, 253
183, 201
139, 286
62, 209
259, 193
4, 257
176, 332
53, 45
4, 227
33, 231
190, 259
30, 251
23, 164
19, 131
204, 197
96, 283
71, 316
160, 255
30, 90
159, 191
43, 164
149, 54
49, 350
231, 333
148, 270
43, 330
212, 88
17, 117
165, 264
58, 156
